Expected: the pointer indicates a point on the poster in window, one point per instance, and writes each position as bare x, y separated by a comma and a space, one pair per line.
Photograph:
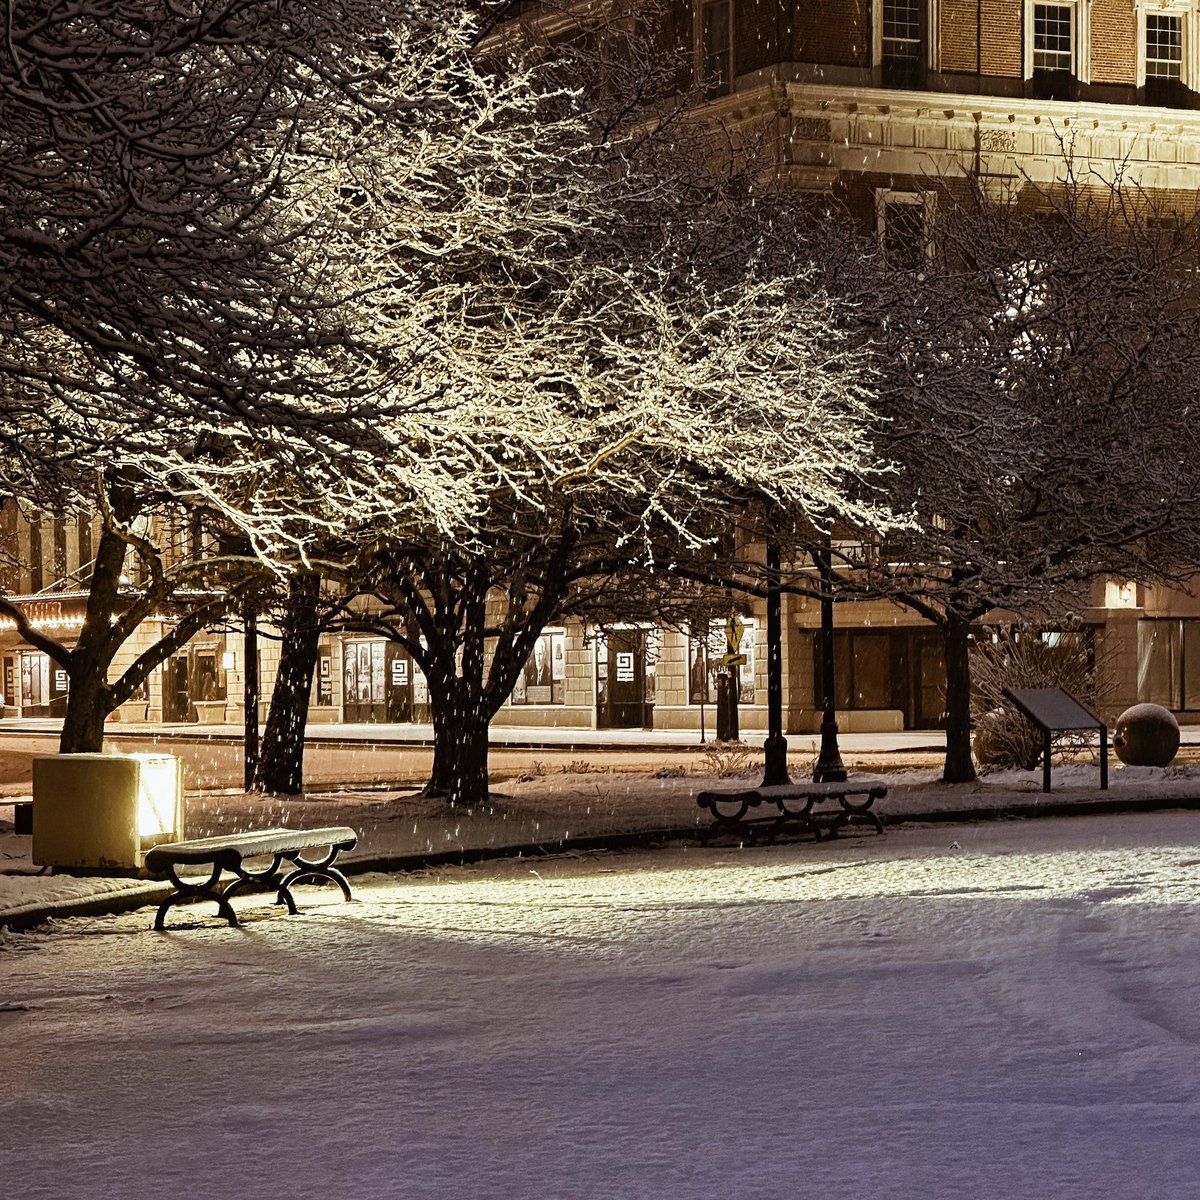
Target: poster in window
325, 678
625, 667
378, 673
544, 676
705, 664
364, 673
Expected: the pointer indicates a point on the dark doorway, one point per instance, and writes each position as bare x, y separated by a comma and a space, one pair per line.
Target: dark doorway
177, 701
399, 684
623, 700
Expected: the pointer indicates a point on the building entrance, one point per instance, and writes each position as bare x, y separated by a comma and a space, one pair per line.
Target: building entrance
43, 685
381, 684
625, 673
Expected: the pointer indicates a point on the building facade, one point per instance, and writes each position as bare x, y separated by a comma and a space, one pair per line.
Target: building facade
882, 102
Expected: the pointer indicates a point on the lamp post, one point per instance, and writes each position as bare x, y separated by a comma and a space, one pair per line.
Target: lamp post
250, 693
775, 748
829, 767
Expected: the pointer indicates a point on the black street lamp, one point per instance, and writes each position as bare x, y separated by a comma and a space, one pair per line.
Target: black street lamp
829, 767
775, 748
250, 693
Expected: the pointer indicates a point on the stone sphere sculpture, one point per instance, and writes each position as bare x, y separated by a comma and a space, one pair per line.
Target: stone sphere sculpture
1147, 735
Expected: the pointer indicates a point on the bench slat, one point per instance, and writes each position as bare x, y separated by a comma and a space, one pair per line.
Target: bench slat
234, 847
860, 786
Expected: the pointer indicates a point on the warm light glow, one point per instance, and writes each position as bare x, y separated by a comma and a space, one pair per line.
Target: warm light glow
158, 781
1120, 593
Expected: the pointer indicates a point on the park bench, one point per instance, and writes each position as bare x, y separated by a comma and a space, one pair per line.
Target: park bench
794, 806
229, 852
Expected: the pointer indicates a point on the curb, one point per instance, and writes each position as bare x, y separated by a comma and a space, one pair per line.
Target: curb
29, 916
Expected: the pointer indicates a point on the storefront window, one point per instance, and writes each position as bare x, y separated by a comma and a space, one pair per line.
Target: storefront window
705, 654
543, 681
1169, 663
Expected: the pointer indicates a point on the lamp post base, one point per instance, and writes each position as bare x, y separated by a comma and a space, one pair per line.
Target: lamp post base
829, 767
775, 761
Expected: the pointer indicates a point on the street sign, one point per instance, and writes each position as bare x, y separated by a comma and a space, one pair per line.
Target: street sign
733, 660
734, 628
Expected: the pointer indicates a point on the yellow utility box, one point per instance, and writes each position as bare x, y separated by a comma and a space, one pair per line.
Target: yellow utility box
99, 811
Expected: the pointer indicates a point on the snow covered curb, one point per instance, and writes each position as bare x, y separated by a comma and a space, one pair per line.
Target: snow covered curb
82, 896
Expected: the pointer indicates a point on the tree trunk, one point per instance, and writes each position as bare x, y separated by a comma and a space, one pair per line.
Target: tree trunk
959, 766
89, 702
460, 738
458, 699
281, 758
89, 697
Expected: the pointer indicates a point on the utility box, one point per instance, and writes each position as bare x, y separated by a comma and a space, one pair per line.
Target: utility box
104, 811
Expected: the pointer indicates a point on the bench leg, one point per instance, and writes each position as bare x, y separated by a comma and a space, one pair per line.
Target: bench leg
267, 878
304, 869
186, 892
855, 812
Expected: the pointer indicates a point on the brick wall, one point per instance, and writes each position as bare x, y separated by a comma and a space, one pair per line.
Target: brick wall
1114, 42
837, 32
1001, 35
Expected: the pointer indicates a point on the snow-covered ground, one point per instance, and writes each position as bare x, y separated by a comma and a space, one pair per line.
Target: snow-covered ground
994, 1011
544, 807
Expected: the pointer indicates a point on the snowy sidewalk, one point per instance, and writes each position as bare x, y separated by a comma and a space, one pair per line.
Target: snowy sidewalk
562, 811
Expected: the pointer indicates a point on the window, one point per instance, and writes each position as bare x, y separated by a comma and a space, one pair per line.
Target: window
36, 567
705, 655
10, 549
1053, 41
902, 50
716, 48
1165, 69
208, 681
59, 562
1056, 49
1169, 663
902, 221
543, 680
85, 546
1164, 46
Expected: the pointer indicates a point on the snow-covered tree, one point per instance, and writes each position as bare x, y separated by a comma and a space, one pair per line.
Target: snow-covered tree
631, 371
1038, 384
203, 207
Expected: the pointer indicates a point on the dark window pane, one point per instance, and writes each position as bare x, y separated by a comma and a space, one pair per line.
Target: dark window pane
715, 49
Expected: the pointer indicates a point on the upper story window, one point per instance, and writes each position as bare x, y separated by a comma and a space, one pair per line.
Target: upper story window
1164, 46
1053, 38
902, 43
715, 47
1166, 64
1056, 48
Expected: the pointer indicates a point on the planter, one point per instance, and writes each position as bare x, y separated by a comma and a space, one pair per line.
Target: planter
103, 811
210, 712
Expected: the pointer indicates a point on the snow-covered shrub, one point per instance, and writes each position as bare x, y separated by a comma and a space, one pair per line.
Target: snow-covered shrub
726, 759
1026, 656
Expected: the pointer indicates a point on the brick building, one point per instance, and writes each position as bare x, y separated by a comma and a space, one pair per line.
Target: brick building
888, 103
882, 102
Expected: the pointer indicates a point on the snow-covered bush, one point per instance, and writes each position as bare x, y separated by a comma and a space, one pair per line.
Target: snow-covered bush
1025, 656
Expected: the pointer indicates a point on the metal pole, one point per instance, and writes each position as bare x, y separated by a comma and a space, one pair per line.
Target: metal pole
775, 748
250, 693
829, 767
